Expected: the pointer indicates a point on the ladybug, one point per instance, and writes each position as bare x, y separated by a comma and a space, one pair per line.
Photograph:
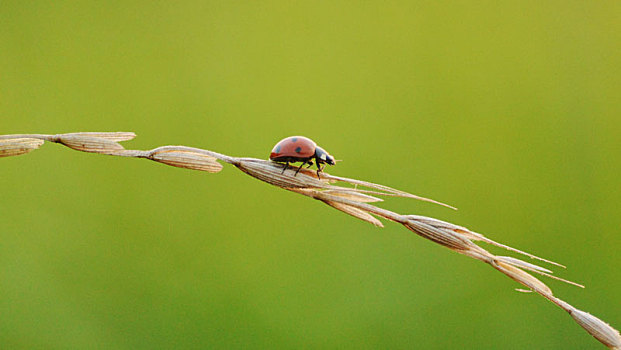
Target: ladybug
300, 149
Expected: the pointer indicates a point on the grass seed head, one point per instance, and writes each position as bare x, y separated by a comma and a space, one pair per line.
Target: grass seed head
336, 192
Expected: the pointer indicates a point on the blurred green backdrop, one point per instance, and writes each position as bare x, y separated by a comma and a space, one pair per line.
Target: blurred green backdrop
508, 111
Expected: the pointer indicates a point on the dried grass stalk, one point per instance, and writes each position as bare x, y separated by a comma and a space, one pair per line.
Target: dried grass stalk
338, 193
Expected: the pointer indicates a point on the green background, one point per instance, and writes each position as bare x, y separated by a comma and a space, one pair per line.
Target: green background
508, 111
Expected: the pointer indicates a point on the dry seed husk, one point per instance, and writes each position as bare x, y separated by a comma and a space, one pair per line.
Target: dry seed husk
360, 214
523, 278
271, 173
188, 160
535, 268
475, 236
522, 264
18, 146
89, 144
388, 190
112, 136
599, 329
353, 195
446, 238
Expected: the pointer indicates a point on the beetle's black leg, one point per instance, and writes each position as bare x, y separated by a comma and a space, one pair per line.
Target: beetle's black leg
319, 169
310, 164
297, 171
285, 168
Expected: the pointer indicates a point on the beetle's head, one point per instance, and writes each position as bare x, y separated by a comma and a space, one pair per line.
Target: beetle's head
323, 156
330, 160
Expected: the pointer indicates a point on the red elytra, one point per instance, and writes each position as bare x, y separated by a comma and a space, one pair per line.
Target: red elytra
300, 149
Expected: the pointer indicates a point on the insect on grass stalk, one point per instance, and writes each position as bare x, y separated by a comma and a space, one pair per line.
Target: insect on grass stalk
350, 196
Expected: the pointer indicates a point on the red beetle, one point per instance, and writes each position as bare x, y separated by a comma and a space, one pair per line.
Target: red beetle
300, 149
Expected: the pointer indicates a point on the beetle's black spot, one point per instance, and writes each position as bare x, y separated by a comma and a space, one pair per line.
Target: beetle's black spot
298, 150
295, 139
277, 149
